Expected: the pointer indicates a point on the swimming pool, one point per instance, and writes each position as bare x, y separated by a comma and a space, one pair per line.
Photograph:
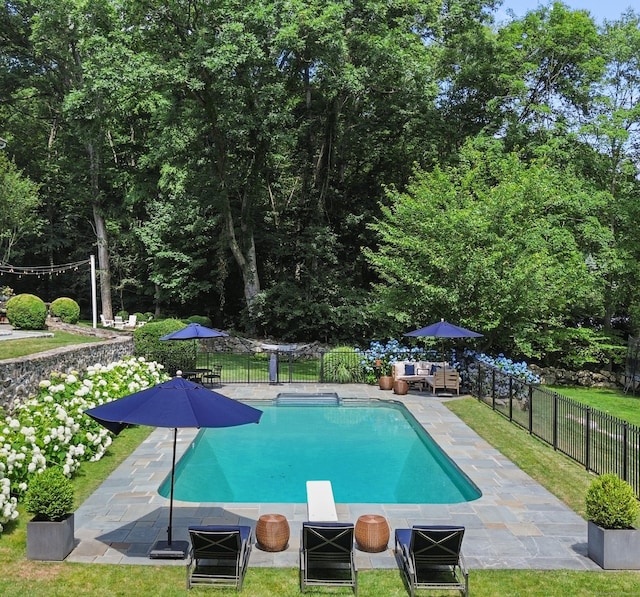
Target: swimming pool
371, 452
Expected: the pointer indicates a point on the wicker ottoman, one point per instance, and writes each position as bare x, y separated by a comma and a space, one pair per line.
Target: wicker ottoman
272, 532
372, 533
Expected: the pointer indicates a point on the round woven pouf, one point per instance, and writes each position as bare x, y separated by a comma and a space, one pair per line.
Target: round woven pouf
400, 387
372, 533
272, 532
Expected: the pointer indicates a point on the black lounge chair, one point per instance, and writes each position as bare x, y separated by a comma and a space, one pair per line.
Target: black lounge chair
430, 558
326, 555
219, 555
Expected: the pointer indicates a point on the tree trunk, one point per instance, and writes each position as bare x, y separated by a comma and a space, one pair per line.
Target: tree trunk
101, 234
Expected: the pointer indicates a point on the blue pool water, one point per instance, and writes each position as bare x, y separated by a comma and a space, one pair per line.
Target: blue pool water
371, 454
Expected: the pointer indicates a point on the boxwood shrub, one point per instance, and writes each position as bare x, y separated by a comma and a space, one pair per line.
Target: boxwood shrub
27, 312
66, 309
611, 503
173, 354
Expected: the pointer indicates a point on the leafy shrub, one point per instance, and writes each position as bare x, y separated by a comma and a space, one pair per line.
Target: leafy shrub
124, 314
66, 309
50, 495
201, 319
342, 365
143, 317
27, 312
611, 503
173, 354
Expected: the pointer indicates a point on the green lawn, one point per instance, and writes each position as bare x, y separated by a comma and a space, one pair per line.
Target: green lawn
11, 349
613, 402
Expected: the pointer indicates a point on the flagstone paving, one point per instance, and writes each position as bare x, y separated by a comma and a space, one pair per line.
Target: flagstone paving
515, 524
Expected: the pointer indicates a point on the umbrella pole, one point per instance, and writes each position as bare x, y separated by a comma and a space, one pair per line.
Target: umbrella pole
173, 474
168, 549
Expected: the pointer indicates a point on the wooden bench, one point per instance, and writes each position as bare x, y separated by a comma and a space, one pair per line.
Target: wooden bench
321, 506
444, 379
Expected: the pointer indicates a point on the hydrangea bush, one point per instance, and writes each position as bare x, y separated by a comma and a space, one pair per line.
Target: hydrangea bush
510, 370
379, 358
51, 429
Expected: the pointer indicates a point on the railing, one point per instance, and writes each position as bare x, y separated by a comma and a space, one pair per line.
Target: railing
276, 366
600, 442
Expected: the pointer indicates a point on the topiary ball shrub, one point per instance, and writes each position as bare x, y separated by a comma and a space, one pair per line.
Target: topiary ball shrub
27, 312
66, 309
49, 495
342, 365
173, 354
611, 503
201, 319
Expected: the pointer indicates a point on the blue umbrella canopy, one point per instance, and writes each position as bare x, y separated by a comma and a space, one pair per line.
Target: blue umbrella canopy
175, 403
444, 329
193, 331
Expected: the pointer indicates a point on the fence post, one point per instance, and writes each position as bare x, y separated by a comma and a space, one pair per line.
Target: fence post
322, 354
479, 380
493, 389
625, 452
554, 418
587, 446
510, 398
530, 408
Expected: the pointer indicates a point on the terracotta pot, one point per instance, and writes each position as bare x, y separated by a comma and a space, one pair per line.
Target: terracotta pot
385, 382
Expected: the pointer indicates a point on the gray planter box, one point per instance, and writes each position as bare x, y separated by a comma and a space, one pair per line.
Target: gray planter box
614, 549
52, 541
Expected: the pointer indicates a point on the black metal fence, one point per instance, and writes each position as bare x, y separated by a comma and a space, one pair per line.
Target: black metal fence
600, 442
273, 366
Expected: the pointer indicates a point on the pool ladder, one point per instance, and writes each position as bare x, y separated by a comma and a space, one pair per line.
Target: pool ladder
307, 399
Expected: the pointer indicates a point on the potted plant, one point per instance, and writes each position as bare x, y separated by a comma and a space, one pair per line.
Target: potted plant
612, 510
50, 534
383, 369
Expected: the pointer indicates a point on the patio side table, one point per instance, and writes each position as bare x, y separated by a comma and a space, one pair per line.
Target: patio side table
372, 533
272, 532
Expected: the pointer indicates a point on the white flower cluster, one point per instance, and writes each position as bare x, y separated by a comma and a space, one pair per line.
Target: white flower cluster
8, 503
51, 427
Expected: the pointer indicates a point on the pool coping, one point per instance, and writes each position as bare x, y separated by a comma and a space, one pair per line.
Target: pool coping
515, 524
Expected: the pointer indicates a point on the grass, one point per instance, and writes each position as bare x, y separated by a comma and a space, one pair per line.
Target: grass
613, 402
12, 349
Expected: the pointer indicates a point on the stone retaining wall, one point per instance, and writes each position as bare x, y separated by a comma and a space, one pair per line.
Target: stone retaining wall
554, 376
19, 378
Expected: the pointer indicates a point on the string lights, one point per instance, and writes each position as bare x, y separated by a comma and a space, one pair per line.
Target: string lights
41, 270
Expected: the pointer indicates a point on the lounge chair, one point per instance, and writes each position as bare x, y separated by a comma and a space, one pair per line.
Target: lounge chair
430, 558
219, 555
106, 323
130, 324
326, 555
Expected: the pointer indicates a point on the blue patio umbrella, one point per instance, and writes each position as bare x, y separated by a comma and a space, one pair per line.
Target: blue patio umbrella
174, 404
193, 331
443, 329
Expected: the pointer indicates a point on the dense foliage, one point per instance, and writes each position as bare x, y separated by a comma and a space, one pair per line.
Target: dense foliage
326, 170
27, 312
66, 309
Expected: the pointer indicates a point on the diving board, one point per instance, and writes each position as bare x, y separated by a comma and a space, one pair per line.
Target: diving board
321, 506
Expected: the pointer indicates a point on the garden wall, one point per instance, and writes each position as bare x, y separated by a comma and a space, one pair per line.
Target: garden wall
19, 378
553, 376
